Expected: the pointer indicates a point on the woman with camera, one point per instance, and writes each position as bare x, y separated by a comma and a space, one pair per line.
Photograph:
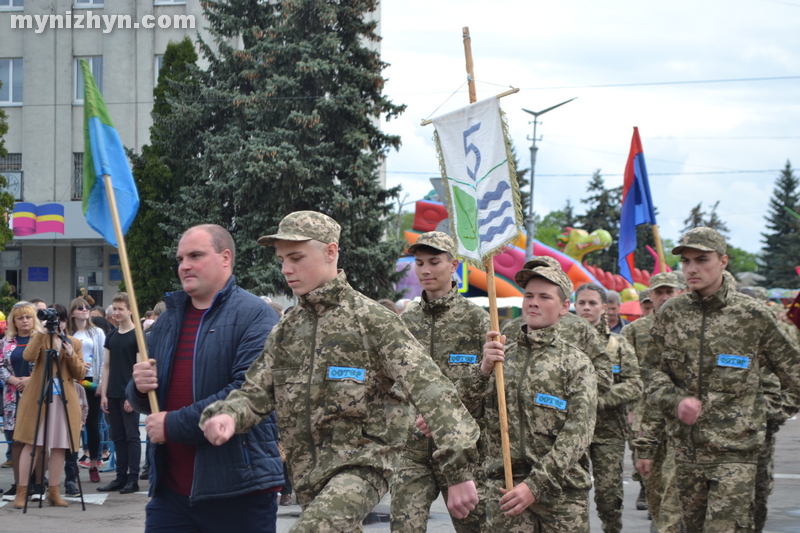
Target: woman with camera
15, 374
93, 339
70, 364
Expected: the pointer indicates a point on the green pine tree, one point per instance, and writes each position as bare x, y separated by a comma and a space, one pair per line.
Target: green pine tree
150, 246
286, 120
603, 212
781, 252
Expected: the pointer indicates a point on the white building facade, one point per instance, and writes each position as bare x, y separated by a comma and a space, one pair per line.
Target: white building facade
40, 46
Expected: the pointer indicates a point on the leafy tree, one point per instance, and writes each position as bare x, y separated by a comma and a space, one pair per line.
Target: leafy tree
603, 212
781, 252
150, 245
741, 260
553, 224
6, 198
522, 181
286, 120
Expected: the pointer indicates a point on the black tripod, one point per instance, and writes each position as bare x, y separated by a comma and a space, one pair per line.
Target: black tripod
49, 383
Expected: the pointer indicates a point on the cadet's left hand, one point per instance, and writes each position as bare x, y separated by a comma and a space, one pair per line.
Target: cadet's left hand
492, 352
462, 498
516, 500
689, 410
423, 427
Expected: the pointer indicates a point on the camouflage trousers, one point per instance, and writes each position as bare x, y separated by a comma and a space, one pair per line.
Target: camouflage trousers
716, 498
764, 481
663, 502
568, 513
416, 485
342, 504
608, 492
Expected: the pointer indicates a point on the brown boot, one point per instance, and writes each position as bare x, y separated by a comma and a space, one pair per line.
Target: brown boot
55, 498
22, 495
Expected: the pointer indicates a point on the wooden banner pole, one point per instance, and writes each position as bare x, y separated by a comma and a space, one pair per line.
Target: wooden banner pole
662, 264
492, 291
126, 274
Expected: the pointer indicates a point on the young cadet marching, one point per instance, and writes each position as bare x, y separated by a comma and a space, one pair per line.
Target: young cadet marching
781, 406
330, 369
607, 451
574, 330
712, 344
453, 330
651, 443
552, 404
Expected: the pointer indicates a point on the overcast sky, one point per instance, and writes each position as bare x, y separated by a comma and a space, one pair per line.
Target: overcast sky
723, 140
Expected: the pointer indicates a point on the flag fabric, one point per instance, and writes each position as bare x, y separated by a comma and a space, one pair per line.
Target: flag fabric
478, 169
30, 219
103, 155
637, 206
794, 311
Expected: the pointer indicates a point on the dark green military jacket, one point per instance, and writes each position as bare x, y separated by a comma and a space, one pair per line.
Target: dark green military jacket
580, 333
453, 330
339, 369
612, 406
713, 349
551, 396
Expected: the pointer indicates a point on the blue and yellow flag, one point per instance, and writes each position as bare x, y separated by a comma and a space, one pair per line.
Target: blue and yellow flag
103, 155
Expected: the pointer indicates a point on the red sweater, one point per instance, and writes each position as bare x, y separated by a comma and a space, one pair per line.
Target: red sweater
179, 473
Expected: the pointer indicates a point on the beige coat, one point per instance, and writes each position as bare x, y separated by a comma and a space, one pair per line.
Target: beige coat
72, 369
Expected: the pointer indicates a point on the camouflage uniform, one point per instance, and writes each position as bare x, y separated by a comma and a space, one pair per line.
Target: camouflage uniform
662, 494
577, 331
713, 349
339, 369
608, 445
551, 394
453, 331
781, 405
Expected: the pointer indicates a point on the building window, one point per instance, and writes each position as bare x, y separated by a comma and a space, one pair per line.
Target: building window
77, 176
11, 170
159, 64
96, 68
169, 2
11, 81
12, 5
88, 3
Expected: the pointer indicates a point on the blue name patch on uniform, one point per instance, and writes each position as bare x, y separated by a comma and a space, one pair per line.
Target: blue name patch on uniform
551, 401
343, 372
735, 361
615, 369
456, 358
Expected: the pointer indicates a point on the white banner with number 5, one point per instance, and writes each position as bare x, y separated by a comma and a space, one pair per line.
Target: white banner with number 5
483, 198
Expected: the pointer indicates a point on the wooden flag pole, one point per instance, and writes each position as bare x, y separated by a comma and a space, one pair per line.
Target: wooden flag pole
492, 291
126, 274
662, 264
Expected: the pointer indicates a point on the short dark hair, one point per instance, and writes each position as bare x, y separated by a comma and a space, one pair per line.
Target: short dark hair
593, 287
34, 301
221, 239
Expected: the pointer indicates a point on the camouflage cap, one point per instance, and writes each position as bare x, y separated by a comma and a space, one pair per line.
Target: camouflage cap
304, 226
542, 260
436, 240
644, 296
665, 279
703, 239
759, 293
553, 274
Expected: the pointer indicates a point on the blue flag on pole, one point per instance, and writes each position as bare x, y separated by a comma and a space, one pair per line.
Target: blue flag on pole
103, 155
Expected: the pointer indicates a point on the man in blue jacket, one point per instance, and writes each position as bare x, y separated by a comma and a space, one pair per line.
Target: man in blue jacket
200, 349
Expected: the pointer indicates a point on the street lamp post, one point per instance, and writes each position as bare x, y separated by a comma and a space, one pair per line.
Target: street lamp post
530, 225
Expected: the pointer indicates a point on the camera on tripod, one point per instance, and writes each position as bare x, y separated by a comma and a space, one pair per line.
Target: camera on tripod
49, 319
